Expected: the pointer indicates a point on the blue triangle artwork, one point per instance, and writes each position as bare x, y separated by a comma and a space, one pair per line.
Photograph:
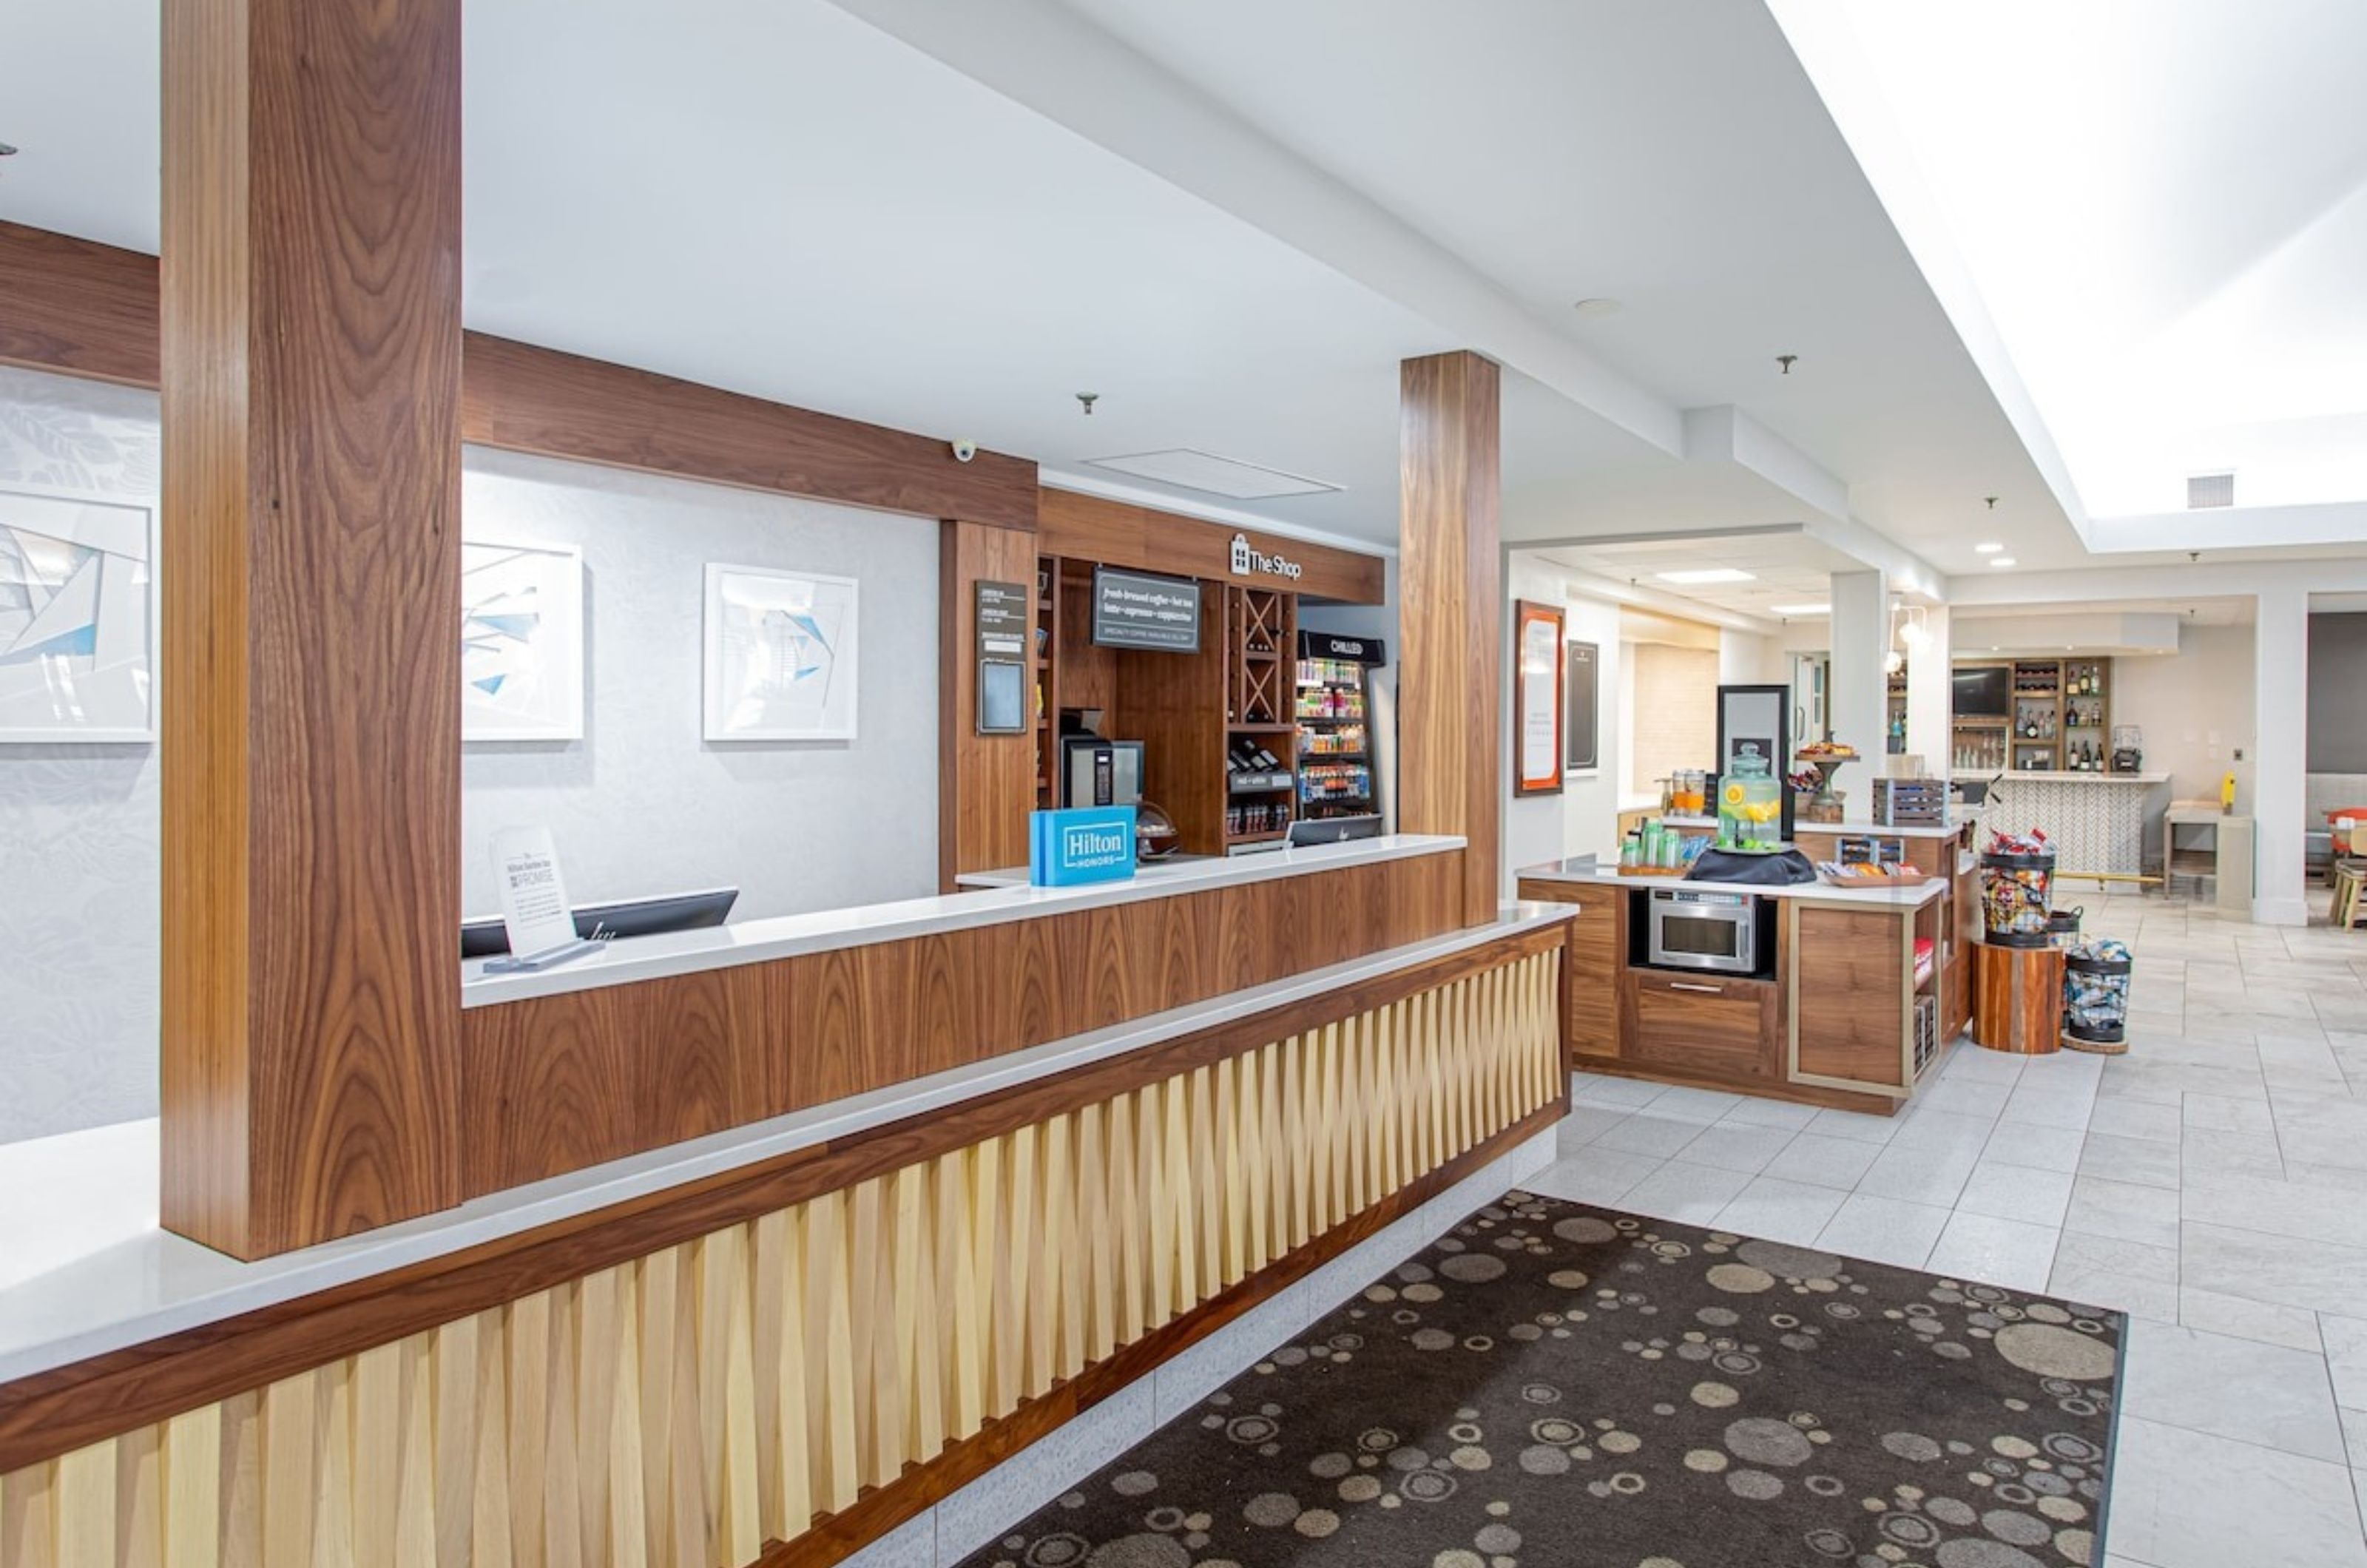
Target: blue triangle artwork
76, 615
520, 678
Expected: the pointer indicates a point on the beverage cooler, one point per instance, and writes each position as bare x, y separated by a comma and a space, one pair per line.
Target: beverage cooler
1332, 707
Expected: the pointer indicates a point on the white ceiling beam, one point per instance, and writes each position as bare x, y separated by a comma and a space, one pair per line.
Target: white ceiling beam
1725, 433
2230, 527
2206, 580
1054, 62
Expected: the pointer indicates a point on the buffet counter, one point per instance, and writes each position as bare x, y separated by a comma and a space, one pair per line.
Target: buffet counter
1851, 1009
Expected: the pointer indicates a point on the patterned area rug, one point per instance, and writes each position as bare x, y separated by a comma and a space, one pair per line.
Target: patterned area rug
1558, 1386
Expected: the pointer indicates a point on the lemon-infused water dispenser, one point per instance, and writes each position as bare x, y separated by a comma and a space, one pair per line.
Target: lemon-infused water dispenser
1750, 806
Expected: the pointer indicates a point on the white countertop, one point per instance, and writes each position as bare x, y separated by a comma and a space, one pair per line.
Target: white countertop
1948, 829
85, 1268
2006, 780
1584, 873
788, 936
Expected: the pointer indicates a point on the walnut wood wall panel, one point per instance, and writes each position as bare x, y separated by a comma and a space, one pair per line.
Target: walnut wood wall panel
311, 750
793, 1380
1451, 614
986, 783
523, 399
89, 309
556, 1083
1114, 533
77, 307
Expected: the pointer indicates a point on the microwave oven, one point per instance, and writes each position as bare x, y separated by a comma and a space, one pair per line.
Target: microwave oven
1700, 928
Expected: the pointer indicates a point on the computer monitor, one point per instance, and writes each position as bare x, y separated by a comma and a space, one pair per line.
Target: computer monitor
598, 922
1334, 831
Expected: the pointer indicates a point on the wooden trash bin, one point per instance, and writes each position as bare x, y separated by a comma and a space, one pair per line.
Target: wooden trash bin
2018, 999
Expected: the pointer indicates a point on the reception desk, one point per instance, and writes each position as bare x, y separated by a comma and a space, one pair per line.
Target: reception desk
776, 1341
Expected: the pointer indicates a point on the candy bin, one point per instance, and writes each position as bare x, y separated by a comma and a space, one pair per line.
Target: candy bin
2096, 996
2017, 879
1750, 806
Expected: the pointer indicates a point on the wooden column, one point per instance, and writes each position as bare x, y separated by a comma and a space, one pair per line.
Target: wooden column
310, 571
986, 783
1449, 617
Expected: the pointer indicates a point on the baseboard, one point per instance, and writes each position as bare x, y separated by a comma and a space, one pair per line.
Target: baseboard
1033, 1461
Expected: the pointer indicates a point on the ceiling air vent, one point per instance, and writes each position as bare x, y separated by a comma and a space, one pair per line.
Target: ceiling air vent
1188, 469
2210, 490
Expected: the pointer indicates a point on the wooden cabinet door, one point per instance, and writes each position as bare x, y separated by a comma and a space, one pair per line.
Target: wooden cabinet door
1701, 1023
1597, 943
1851, 1007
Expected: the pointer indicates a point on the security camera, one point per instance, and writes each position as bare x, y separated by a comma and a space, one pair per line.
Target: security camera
965, 450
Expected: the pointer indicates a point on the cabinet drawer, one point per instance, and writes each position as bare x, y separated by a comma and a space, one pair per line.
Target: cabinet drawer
1704, 1023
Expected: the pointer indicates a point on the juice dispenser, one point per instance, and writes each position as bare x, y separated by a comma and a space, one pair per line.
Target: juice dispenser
1750, 806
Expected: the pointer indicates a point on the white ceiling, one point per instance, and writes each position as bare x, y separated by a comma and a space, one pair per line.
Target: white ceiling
807, 201
2160, 207
1787, 570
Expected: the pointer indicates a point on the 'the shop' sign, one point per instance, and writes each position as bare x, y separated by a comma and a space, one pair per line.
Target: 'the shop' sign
1249, 561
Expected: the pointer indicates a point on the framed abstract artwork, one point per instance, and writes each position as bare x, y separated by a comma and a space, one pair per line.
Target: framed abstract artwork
77, 619
780, 655
521, 641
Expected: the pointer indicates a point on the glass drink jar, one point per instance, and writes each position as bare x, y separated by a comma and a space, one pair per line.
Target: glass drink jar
1750, 806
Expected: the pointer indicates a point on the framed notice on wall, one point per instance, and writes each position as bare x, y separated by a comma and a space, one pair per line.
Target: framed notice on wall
1536, 698
1582, 700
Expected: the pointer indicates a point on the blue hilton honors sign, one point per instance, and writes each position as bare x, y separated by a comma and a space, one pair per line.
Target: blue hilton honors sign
1090, 844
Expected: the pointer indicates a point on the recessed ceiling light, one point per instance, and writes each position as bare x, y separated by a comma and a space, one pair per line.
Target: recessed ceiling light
1598, 306
1802, 609
1701, 577
2000, 560
1988, 547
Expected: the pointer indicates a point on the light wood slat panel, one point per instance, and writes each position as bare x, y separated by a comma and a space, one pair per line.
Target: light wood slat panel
139, 1498
692, 1407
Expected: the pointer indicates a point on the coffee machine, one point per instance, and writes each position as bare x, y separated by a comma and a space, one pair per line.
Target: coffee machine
2128, 750
1096, 771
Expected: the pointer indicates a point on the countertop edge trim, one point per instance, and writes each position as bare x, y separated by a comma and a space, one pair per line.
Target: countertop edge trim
994, 906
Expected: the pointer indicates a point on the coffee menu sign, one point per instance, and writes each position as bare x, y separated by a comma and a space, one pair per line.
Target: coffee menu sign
1250, 561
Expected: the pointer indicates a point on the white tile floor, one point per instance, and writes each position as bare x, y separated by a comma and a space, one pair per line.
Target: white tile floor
2213, 1183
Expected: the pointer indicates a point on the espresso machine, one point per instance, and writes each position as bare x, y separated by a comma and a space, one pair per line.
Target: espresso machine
2128, 750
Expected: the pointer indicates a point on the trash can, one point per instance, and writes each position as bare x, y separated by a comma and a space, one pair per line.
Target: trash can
2015, 888
2096, 996
2063, 926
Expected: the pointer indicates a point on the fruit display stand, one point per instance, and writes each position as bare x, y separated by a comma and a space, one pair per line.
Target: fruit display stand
1825, 804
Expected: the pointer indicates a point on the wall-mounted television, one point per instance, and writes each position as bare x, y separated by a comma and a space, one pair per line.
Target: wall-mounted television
1984, 691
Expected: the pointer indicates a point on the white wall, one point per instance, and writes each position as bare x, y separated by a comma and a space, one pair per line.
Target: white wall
1532, 830
2195, 708
79, 850
1590, 801
1748, 659
1674, 706
640, 806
